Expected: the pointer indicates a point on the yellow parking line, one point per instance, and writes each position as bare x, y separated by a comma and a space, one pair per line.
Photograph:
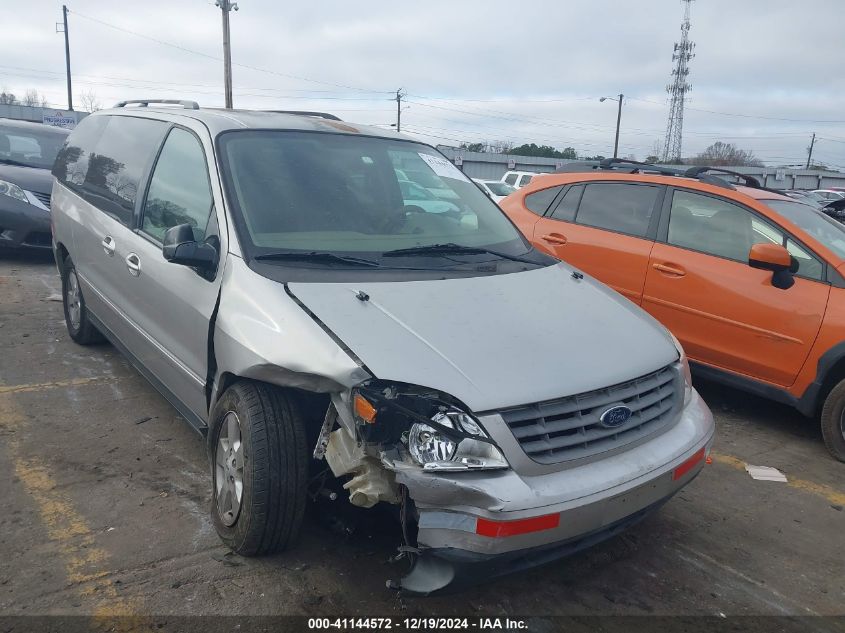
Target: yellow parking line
829, 493
83, 561
72, 382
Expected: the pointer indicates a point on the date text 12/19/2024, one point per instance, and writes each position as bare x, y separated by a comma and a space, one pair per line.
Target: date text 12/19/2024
418, 624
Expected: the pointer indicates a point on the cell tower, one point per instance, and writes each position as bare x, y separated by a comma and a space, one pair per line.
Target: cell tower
678, 89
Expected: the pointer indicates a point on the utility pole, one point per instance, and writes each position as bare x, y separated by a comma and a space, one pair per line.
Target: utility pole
399, 95
810, 150
225, 7
63, 29
618, 121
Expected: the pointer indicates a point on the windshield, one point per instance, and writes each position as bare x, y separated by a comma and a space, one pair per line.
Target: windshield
499, 188
30, 148
353, 195
827, 231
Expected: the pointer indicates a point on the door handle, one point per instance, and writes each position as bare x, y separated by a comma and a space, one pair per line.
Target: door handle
133, 263
554, 238
108, 245
669, 269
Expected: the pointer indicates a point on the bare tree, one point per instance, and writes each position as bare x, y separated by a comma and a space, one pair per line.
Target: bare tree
33, 99
7, 98
721, 154
89, 101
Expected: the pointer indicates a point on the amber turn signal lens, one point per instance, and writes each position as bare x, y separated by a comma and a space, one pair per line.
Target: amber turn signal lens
364, 410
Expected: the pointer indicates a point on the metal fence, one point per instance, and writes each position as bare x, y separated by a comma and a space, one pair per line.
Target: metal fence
493, 166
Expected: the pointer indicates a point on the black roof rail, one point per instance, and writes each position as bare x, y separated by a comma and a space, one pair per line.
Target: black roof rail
748, 181
636, 167
321, 115
188, 105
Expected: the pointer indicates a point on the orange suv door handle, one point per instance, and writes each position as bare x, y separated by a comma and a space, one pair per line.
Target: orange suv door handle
669, 269
554, 238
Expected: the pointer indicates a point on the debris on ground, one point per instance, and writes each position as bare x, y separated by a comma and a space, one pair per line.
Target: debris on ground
765, 473
227, 559
54, 297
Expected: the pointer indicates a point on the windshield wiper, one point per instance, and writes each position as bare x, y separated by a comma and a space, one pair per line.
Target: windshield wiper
320, 257
451, 248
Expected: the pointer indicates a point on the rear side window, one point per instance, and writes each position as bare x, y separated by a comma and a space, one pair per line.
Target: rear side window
71, 166
179, 191
566, 208
539, 201
620, 207
118, 161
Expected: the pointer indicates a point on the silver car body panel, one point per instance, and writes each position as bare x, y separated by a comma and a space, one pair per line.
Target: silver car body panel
494, 341
263, 334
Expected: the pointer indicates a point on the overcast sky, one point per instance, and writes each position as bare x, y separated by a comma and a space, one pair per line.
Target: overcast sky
767, 73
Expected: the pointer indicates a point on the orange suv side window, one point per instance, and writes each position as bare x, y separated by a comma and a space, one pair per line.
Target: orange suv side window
621, 207
718, 227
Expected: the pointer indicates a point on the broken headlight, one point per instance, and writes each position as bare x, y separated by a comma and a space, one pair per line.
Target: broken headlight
434, 431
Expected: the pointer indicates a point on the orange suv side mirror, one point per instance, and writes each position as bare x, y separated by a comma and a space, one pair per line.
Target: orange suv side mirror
777, 259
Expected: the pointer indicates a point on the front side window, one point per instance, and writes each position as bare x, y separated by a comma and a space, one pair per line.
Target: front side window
511, 179
305, 192
717, 227
827, 231
620, 207
179, 191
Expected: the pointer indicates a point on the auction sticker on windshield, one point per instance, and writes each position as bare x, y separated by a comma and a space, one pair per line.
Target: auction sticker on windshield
443, 167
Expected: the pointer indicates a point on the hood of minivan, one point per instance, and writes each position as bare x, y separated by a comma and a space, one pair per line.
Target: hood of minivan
30, 178
493, 341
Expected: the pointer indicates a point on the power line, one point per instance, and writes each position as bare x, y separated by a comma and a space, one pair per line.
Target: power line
206, 55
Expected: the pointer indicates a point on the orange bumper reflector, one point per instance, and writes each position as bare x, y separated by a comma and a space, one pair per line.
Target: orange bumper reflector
364, 409
688, 465
498, 529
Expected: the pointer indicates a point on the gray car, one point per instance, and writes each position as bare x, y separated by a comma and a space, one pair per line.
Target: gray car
27, 152
264, 273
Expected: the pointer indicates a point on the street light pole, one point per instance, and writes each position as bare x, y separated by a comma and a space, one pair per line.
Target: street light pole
67, 56
225, 7
618, 121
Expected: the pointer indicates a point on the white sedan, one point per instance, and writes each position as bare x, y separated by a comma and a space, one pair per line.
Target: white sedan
496, 189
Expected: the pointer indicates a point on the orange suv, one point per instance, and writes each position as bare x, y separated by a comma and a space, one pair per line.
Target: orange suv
750, 281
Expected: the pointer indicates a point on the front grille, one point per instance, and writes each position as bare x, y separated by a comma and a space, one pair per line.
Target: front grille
44, 198
569, 428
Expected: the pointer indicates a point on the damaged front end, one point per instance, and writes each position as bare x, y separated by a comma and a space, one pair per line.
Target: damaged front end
393, 442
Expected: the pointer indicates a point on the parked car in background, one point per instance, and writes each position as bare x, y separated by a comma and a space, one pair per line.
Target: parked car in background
750, 281
518, 179
27, 152
830, 194
835, 209
807, 197
264, 272
495, 189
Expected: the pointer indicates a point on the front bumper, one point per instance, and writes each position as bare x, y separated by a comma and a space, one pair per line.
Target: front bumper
488, 524
24, 225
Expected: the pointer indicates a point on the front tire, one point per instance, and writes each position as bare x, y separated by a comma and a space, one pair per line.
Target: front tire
833, 421
259, 464
78, 323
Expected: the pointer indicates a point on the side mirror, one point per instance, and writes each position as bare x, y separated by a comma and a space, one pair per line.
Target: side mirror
775, 258
180, 248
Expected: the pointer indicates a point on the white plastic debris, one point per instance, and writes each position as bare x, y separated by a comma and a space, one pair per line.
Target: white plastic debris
765, 473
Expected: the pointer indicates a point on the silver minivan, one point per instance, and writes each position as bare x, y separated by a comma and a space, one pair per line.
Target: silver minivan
328, 337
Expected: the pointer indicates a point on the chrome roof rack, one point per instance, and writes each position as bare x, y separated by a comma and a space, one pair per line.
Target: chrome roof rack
321, 115
188, 105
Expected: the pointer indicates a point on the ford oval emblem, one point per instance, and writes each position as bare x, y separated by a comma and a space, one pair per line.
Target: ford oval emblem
615, 416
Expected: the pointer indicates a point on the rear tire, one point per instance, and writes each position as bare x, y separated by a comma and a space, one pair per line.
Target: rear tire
833, 421
78, 323
259, 466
